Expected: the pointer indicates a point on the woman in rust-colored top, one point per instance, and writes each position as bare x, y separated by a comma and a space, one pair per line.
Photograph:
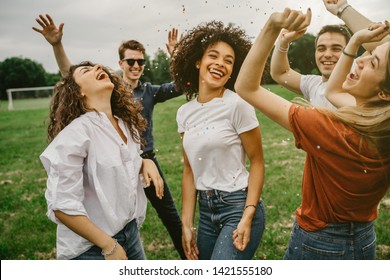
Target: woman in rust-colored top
347, 166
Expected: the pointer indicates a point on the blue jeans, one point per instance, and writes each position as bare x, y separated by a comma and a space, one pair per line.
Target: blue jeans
219, 214
166, 211
347, 241
128, 238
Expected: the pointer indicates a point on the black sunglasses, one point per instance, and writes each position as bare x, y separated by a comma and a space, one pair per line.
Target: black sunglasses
131, 61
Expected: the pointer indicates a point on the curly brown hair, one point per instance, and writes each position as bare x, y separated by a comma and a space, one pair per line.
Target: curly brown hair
192, 47
67, 104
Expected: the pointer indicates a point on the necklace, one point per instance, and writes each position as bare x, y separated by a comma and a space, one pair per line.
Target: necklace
212, 97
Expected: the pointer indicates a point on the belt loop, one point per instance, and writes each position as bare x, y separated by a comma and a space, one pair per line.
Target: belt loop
351, 228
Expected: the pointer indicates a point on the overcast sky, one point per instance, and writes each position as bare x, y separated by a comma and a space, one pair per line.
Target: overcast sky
94, 28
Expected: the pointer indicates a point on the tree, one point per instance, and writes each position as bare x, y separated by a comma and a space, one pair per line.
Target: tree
302, 55
17, 72
156, 69
147, 75
52, 78
160, 68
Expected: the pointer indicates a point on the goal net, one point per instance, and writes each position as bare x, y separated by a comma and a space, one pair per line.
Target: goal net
29, 98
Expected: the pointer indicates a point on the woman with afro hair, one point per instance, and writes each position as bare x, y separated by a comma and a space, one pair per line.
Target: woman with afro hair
219, 130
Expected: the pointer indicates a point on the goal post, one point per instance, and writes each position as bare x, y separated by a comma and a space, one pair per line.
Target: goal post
12, 90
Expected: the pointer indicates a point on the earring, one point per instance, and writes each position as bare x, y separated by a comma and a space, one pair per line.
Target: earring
197, 66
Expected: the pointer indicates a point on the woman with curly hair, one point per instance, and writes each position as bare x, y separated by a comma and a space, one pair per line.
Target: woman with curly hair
94, 191
218, 131
347, 167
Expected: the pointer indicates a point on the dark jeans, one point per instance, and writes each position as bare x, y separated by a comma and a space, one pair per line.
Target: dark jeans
347, 241
166, 209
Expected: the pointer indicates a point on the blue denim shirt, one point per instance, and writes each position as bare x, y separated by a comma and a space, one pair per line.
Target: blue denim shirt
150, 95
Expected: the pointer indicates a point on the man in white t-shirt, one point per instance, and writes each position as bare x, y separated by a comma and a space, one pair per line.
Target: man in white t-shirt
329, 45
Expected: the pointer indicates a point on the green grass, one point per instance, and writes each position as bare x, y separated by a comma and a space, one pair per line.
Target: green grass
26, 233
26, 104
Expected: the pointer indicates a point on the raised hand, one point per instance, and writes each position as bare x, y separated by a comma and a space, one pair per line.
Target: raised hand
333, 5
374, 33
286, 37
292, 20
49, 30
172, 40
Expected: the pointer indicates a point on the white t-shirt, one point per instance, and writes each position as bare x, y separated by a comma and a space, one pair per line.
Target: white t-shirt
92, 172
212, 143
313, 89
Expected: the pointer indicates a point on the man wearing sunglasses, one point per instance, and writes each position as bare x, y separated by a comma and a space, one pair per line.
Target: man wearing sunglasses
132, 62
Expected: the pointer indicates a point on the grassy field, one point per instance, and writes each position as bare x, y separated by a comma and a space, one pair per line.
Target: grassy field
26, 232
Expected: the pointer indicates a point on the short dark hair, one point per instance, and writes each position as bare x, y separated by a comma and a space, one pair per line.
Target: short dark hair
130, 45
335, 28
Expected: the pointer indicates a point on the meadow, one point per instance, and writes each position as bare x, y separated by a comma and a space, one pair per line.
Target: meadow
27, 234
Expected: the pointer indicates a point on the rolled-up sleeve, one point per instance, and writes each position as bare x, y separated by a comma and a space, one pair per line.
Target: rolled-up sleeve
63, 161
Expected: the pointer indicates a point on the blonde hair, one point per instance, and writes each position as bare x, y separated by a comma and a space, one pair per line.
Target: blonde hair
371, 121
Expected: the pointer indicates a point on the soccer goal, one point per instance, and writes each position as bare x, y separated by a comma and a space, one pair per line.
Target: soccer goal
28, 95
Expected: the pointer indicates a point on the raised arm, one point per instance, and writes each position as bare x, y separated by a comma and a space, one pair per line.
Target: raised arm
352, 18
248, 81
334, 91
280, 65
172, 40
53, 35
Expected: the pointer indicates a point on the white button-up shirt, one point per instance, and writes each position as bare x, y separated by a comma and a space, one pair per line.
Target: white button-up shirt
92, 172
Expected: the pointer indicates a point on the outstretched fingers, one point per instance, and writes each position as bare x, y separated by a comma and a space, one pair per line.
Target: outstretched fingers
46, 22
41, 23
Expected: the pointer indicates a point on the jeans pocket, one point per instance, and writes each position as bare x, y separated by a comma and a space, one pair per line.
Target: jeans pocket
237, 198
369, 251
312, 253
320, 245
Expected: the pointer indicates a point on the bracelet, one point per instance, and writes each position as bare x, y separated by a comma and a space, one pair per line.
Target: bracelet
283, 50
341, 10
250, 205
112, 250
348, 54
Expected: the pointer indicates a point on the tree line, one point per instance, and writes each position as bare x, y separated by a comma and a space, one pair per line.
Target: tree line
17, 72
